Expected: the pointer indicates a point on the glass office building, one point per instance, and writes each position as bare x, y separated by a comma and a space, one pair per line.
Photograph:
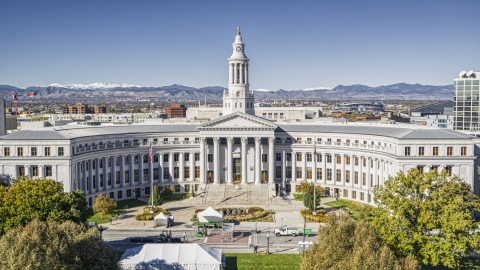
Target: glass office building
466, 101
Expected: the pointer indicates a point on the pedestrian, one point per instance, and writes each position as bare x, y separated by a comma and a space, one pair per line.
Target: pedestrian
143, 224
110, 220
255, 249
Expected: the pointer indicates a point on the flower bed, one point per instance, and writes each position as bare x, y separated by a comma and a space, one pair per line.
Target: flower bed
241, 214
146, 213
319, 217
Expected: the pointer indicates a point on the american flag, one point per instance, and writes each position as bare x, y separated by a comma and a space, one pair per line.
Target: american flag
315, 151
150, 153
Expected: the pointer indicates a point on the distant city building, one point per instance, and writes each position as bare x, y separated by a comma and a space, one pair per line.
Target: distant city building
276, 114
3, 124
438, 115
176, 110
466, 101
360, 107
82, 108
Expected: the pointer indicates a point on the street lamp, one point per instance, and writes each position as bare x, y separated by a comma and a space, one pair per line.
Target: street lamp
304, 218
268, 243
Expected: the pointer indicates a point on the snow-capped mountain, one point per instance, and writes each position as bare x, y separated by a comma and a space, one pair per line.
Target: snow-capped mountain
97, 85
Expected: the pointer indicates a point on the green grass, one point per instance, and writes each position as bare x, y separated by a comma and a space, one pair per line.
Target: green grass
354, 207
298, 197
176, 197
247, 261
120, 206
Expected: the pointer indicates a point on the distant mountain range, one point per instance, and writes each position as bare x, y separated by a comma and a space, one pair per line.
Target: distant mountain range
104, 92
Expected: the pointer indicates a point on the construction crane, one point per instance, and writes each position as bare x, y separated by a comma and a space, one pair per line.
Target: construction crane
15, 96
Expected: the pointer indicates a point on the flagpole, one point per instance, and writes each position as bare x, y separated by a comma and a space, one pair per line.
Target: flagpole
150, 156
315, 177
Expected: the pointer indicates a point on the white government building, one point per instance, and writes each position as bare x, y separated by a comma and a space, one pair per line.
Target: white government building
237, 147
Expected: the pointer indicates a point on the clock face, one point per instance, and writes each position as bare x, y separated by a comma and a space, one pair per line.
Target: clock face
239, 48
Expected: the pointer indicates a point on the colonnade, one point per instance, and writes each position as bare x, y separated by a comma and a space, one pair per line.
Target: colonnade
238, 73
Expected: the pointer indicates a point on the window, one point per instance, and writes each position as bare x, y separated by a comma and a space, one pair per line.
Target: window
264, 176
109, 179
135, 159
20, 151
449, 170
364, 179
117, 161
339, 159
6, 151
355, 178
176, 172
309, 173
33, 151
347, 160
319, 173
112, 195
119, 194
339, 175
299, 172
278, 172
145, 174
197, 156
299, 157
21, 171
449, 151
117, 178
362, 196
48, 171
186, 172
354, 195
210, 157
166, 173
47, 151
464, 151
176, 157
155, 173
347, 176
356, 161
278, 156
35, 171
264, 158
165, 139
135, 176
186, 157
364, 162
187, 188
145, 158
329, 174
129, 193
101, 180
176, 188
407, 150
289, 156
421, 151
155, 158
197, 171
288, 172
126, 176
420, 169
165, 157
329, 158
435, 151
309, 157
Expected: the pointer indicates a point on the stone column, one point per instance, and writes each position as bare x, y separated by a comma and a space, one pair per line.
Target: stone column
181, 157
229, 161
244, 160
90, 176
304, 166
216, 161
27, 171
130, 170
246, 74
360, 171
258, 164
352, 170
271, 160
368, 172
230, 73
241, 74
344, 159
376, 178
160, 168
140, 169
122, 170
170, 167
192, 166
294, 166
105, 173
202, 160
97, 174
382, 168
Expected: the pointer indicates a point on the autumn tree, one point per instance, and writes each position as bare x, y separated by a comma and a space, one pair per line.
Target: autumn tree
52, 245
427, 216
307, 189
156, 195
40, 198
104, 205
343, 244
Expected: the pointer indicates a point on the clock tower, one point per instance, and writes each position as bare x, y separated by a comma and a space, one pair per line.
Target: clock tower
239, 98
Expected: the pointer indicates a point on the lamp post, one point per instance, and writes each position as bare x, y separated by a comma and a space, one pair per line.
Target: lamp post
304, 218
268, 243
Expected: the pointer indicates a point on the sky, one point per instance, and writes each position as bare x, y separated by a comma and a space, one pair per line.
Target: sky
291, 44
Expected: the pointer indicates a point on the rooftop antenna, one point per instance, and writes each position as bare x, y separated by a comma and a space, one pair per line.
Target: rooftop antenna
205, 100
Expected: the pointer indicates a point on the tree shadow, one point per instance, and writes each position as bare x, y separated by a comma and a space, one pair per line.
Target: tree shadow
231, 262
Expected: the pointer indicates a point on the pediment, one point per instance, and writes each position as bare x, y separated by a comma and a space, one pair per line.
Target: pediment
238, 121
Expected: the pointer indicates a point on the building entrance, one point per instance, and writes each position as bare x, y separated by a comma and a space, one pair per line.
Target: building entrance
237, 170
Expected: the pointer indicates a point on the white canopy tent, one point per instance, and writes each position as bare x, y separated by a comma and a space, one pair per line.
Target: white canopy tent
210, 215
160, 220
172, 257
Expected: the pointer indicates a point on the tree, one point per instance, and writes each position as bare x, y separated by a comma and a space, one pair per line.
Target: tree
308, 191
342, 244
104, 205
156, 195
40, 198
304, 185
427, 216
52, 245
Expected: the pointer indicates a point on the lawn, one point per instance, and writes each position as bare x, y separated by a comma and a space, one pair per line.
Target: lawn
298, 197
359, 211
247, 261
176, 197
120, 206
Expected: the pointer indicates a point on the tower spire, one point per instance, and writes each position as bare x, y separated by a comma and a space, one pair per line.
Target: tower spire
238, 30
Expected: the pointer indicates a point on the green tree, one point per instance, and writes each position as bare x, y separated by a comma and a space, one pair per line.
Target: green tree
136, 110
156, 195
427, 216
40, 198
104, 205
343, 244
308, 201
52, 245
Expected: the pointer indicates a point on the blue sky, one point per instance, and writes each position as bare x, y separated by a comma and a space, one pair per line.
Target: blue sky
291, 44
